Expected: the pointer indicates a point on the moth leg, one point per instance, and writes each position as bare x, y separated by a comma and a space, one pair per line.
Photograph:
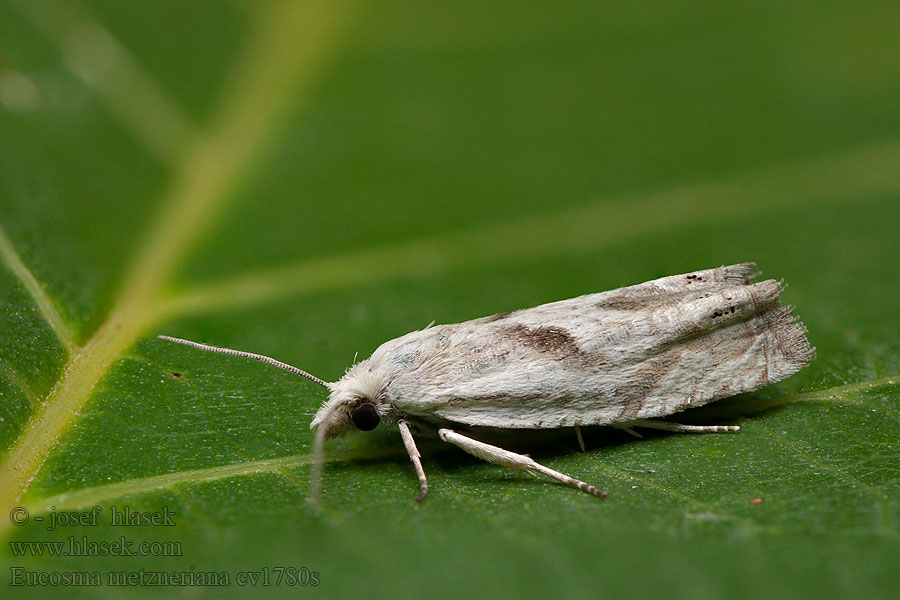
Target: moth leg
578, 435
415, 457
521, 462
667, 426
628, 429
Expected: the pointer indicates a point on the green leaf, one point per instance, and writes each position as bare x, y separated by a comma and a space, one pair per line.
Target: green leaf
310, 180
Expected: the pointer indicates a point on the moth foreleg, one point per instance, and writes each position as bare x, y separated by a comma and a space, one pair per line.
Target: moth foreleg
415, 457
521, 462
667, 426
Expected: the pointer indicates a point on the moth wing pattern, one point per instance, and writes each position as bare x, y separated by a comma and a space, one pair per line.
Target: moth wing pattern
636, 352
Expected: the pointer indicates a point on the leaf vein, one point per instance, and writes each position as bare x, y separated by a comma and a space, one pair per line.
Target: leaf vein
856, 175
21, 385
44, 304
105, 66
91, 496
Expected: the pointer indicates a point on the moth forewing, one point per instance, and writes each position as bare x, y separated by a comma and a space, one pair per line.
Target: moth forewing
612, 358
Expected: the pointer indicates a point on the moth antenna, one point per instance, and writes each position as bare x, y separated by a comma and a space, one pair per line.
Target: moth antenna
318, 456
266, 359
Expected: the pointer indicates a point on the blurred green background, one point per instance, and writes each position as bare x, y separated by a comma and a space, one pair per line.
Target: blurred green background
308, 180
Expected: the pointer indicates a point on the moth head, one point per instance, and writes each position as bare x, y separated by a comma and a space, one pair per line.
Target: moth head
354, 404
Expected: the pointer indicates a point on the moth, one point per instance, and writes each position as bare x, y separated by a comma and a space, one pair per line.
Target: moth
623, 357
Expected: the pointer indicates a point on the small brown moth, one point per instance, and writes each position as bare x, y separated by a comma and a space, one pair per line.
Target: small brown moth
621, 358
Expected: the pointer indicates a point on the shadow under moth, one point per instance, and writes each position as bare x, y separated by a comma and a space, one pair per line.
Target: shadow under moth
621, 358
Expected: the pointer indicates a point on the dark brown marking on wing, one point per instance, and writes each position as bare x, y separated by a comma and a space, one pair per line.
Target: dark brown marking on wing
646, 381
648, 300
497, 317
550, 339
623, 303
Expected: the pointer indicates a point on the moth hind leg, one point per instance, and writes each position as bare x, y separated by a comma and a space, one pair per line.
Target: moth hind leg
521, 462
678, 427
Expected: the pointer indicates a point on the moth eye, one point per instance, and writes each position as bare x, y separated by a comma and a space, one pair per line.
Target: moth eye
365, 417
